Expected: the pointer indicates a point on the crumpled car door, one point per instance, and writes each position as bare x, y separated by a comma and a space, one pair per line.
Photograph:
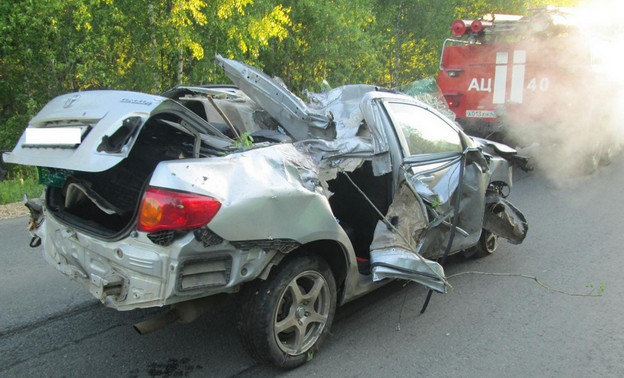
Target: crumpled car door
437, 184
422, 210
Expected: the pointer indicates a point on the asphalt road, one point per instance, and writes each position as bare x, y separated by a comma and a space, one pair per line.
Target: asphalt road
488, 326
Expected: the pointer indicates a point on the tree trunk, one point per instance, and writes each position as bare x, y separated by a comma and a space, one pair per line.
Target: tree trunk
156, 77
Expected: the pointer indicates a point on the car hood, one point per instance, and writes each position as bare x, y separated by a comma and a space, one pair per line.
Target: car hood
105, 123
301, 121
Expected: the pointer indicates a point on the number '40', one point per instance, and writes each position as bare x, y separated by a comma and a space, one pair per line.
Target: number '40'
543, 84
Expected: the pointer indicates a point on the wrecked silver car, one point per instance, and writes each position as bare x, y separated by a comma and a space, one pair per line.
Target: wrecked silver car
297, 206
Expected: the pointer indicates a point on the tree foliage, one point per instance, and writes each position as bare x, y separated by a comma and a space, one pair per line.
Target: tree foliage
57, 46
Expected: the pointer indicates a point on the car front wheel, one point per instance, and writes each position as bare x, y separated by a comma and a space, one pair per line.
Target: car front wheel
488, 243
284, 320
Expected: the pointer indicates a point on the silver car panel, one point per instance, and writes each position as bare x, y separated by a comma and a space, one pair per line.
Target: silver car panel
103, 113
147, 275
292, 113
265, 193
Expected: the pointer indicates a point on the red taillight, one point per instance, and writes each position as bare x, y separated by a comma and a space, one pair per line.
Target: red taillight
452, 100
163, 209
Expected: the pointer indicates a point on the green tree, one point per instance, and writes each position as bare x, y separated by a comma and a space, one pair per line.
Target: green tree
240, 30
414, 31
328, 40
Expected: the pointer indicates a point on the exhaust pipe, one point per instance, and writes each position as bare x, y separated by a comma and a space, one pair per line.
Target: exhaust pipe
184, 312
157, 322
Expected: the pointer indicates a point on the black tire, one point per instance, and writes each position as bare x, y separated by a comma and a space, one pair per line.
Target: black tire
488, 243
284, 320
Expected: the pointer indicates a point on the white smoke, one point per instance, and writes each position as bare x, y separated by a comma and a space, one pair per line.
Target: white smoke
591, 105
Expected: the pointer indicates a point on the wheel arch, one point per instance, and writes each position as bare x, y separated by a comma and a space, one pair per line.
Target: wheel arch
335, 254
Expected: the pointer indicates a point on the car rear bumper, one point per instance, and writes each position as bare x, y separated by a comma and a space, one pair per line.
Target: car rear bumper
136, 273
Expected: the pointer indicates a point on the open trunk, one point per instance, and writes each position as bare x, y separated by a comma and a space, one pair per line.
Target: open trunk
95, 181
105, 203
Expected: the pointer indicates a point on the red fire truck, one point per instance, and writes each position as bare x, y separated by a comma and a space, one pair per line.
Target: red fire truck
524, 76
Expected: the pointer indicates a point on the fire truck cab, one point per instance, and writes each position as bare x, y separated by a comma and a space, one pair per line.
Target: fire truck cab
537, 72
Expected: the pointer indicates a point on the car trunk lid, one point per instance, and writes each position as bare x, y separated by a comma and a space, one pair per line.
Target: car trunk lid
92, 131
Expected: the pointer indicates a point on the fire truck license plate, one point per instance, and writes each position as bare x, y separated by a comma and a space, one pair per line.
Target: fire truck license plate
480, 114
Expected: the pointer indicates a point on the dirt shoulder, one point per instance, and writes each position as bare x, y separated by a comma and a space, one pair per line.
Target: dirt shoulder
13, 210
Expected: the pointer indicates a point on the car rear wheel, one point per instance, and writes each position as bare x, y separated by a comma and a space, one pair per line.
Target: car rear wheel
284, 320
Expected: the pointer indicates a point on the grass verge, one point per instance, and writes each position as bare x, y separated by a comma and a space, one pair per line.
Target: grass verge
13, 190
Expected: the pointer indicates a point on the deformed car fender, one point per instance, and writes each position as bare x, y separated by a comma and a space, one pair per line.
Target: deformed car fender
265, 193
269, 194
